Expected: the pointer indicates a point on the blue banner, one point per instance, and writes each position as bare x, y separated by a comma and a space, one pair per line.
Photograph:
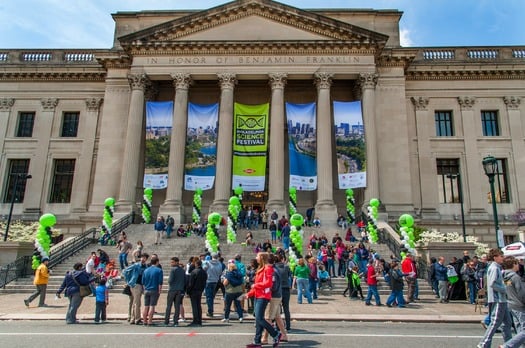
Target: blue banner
350, 144
159, 121
302, 145
200, 162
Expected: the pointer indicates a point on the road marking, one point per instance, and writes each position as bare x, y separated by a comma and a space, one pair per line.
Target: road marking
193, 333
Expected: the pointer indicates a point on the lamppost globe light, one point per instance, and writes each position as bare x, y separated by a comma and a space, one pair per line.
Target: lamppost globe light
490, 166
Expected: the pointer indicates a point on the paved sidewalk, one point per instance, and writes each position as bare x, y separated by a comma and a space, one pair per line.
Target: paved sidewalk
328, 307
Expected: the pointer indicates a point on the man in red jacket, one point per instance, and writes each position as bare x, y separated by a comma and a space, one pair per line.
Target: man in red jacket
407, 267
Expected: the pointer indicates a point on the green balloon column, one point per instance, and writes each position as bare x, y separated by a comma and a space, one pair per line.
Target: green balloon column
234, 208
350, 205
146, 205
295, 251
293, 200
197, 205
43, 239
212, 241
371, 226
107, 218
406, 221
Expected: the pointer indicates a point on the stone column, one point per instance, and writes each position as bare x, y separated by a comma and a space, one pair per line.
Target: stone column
427, 164
325, 207
84, 165
518, 148
130, 163
471, 179
5, 109
41, 163
173, 204
368, 83
277, 125
223, 177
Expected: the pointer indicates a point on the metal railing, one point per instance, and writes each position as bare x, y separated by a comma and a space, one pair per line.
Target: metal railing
21, 267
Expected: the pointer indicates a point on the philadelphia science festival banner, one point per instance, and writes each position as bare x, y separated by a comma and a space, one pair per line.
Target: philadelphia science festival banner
200, 163
302, 145
158, 134
250, 145
350, 144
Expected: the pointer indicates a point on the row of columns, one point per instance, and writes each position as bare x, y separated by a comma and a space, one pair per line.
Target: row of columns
325, 206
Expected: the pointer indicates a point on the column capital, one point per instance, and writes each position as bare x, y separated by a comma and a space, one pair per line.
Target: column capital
227, 80
93, 104
138, 81
151, 91
278, 80
420, 103
6, 103
466, 103
323, 80
512, 102
49, 104
181, 80
368, 80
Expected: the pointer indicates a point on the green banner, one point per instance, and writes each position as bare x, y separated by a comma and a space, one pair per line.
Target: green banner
250, 145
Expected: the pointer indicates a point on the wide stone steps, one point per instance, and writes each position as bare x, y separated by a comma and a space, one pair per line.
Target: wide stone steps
184, 248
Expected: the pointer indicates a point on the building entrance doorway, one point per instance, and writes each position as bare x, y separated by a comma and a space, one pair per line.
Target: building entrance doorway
256, 200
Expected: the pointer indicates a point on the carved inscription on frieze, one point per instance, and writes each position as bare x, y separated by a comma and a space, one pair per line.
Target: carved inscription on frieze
253, 60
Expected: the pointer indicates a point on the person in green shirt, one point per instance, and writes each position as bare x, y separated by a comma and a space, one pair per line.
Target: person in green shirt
300, 280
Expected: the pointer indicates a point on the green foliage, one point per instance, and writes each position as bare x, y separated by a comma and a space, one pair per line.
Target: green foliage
354, 148
157, 152
23, 232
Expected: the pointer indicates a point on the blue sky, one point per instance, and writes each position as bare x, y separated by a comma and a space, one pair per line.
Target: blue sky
426, 23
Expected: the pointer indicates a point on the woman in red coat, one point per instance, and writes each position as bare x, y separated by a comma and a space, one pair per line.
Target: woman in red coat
262, 291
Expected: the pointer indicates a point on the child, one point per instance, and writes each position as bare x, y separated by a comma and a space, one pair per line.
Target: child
356, 283
324, 278
102, 300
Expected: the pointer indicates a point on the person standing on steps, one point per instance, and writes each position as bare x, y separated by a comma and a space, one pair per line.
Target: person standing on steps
177, 285
71, 285
41, 280
152, 279
133, 276
159, 228
196, 285
213, 270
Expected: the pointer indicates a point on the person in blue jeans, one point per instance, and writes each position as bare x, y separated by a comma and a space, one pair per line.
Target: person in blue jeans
396, 283
300, 280
371, 281
313, 278
101, 300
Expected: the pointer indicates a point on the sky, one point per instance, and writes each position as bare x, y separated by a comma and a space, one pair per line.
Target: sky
28, 24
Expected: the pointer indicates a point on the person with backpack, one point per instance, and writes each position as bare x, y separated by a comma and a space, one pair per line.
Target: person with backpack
396, 284
286, 275
233, 283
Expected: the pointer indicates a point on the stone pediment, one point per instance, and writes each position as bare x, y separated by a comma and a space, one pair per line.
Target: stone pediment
252, 22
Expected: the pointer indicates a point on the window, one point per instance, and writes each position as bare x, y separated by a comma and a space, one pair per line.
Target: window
489, 123
444, 123
26, 121
63, 170
501, 188
16, 167
447, 170
70, 124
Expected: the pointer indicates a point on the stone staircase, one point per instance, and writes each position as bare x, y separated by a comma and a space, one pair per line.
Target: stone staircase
187, 247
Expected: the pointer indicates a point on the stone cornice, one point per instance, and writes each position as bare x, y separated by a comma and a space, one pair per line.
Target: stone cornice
396, 58
251, 48
114, 60
55, 76
446, 75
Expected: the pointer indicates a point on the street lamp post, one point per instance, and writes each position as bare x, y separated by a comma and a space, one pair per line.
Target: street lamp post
490, 166
460, 193
13, 198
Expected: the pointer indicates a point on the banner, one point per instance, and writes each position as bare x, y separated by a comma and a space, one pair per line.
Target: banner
350, 144
200, 159
302, 145
159, 118
250, 145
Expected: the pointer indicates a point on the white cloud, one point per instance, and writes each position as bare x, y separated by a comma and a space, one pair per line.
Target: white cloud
404, 38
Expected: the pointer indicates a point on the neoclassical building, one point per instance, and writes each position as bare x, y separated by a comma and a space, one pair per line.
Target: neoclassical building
75, 119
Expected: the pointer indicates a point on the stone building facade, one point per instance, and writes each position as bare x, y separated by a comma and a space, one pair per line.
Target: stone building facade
74, 119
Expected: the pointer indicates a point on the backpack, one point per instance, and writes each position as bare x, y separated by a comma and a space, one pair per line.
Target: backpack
235, 278
276, 277
386, 276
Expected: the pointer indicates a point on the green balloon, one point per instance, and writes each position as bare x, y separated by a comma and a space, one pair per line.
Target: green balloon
214, 218
109, 202
234, 200
148, 191
297, 220
374, 202
48, 220
349, 192
198, 191
406, 220
293, 190
238, 190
